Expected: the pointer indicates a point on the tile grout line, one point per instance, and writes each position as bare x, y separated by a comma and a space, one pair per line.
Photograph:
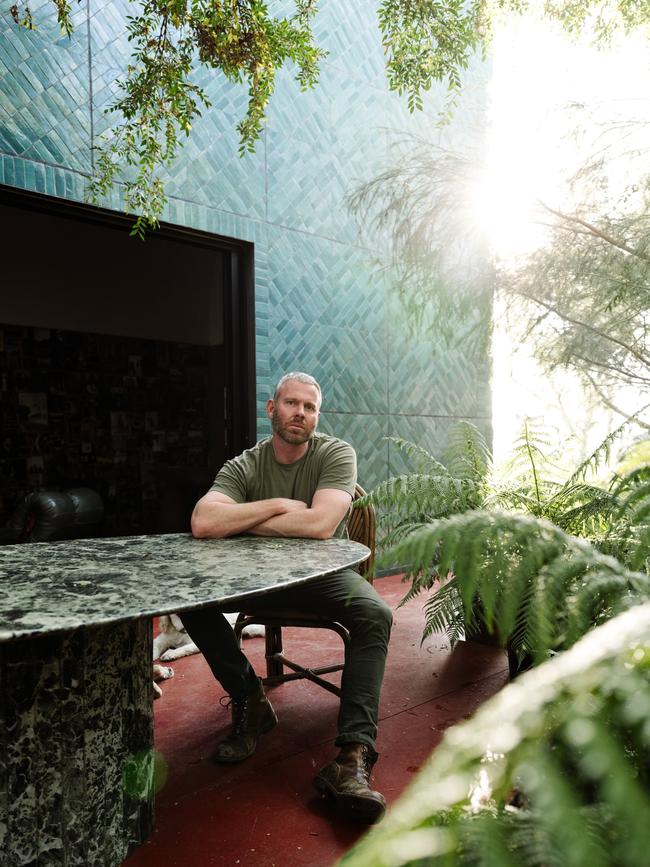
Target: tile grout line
90, 90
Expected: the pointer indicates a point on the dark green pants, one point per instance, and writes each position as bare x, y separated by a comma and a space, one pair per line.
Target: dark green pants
345, 597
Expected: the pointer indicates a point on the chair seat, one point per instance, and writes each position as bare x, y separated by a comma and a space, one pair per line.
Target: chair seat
285, 615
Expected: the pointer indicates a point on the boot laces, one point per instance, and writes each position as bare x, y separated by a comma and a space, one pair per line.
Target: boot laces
239, 711
367, 761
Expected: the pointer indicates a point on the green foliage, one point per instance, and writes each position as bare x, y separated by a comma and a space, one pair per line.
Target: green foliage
526, 580
583, 296
22, 14
553, 771
635, 456
437, 489
629, 534
580, 300
533, 483
430, 41
467, 455
159, 100
519, 577
425, 42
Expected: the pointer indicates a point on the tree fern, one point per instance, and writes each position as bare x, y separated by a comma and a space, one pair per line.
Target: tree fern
571, 738
530, 585
629, 532
527, 581
601, 454
467, 455
434, 490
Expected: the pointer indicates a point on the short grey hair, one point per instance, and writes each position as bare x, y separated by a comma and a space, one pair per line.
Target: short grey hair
297, 376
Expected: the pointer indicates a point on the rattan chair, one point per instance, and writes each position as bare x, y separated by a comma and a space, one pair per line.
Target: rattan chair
361, 528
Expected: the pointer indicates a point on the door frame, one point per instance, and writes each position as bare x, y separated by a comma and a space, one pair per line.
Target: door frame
238, 300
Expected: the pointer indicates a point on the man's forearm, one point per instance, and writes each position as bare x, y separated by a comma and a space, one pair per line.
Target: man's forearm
308, 524
219, 520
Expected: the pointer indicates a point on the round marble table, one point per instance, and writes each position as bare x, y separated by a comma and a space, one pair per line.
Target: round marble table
76, 743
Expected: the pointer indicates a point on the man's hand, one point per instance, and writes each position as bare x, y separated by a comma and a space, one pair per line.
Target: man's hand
216, 515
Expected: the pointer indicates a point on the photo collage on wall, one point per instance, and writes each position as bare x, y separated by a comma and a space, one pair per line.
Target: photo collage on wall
119, 415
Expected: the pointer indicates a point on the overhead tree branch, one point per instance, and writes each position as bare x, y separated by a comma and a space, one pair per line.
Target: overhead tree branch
596, 232
640, 357
609, 403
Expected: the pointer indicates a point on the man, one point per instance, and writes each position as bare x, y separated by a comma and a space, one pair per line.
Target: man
298, 483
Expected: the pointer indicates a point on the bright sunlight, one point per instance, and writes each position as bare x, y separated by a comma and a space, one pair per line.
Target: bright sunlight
545, 119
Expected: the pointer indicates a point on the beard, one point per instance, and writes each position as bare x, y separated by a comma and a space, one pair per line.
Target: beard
293, 437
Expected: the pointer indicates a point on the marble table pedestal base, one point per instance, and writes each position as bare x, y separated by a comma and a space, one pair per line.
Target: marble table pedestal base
76, 746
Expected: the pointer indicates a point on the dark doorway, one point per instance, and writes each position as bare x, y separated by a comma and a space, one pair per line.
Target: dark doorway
125, 366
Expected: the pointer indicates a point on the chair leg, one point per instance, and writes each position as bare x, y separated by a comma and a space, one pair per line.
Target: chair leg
274, 666
276, 661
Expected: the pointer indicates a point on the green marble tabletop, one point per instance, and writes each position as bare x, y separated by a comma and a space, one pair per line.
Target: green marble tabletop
58, 586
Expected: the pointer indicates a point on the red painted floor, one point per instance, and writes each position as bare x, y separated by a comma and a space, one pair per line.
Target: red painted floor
264, 812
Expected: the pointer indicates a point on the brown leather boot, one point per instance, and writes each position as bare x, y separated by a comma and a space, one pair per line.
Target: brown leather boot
251, 717
346, 780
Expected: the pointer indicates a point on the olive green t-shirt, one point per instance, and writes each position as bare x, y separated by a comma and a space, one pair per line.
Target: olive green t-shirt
256, 474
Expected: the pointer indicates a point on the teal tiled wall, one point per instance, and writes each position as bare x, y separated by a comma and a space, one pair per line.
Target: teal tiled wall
320, 304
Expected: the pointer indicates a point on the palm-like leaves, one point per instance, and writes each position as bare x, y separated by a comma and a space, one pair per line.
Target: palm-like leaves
531, 583
630, 530
436, 489
522, 578
570, 738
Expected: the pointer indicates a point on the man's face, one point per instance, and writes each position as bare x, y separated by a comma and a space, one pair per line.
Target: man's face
294, 415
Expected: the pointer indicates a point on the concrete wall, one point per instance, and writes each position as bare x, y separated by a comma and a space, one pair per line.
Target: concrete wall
320, 304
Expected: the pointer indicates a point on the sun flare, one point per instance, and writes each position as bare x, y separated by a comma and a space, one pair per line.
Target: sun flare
543, 86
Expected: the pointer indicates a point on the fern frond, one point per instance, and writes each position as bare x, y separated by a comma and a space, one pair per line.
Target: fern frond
424, 460
423, 581
546, 608
419, 494
393, 537
443, 612
635, 507
602, 453
640, 548
571, 495
590, 518
530, 456
467, 455
485, 842
635, 478
557, 806
571, 737
514, 499
525, 574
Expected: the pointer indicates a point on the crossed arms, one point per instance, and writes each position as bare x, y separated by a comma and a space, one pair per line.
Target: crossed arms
216, 516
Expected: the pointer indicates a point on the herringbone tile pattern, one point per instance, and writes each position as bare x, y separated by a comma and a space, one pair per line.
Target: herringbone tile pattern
320, 302
430, 433
350, 367
44, 113
367, 434
314, 279
349, 31
209, 168
426, 378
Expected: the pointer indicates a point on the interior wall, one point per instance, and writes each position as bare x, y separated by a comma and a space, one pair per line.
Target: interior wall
67, 274
111, 369
321, 302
